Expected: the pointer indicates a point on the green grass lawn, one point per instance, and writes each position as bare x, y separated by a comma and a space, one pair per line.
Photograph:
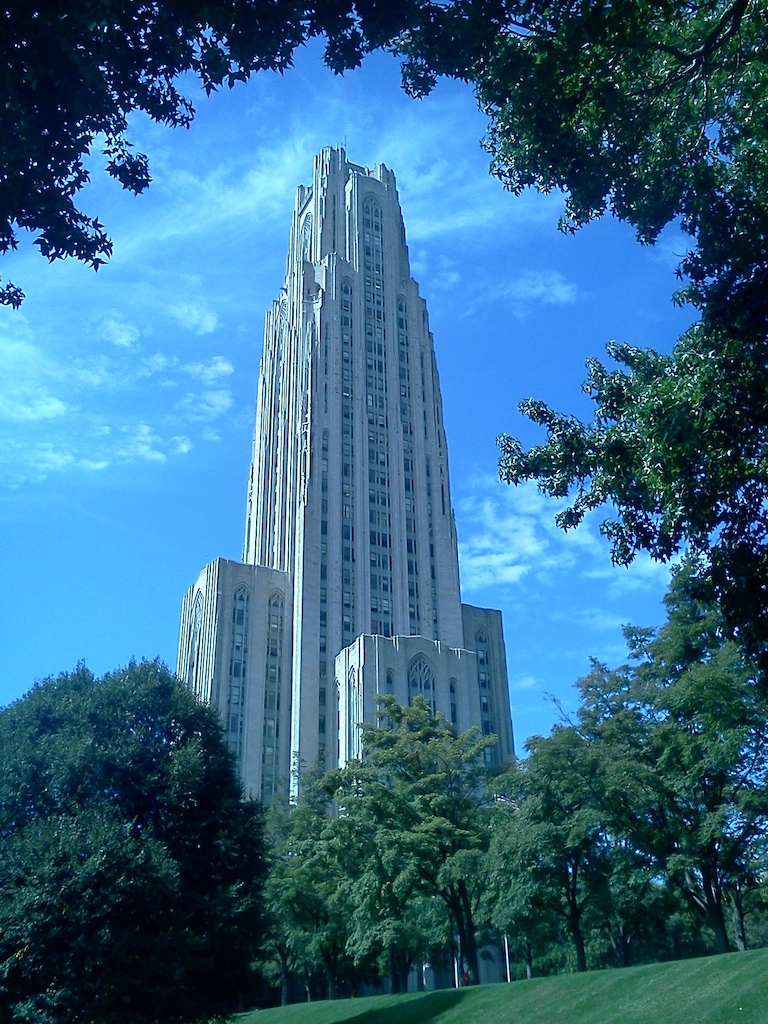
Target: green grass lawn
730, 989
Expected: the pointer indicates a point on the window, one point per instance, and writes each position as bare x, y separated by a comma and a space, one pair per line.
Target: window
235, 716
354, 716
486, 695
272, 676
421, 681
306, 238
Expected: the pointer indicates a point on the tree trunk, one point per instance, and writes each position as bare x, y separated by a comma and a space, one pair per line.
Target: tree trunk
717, 923
466, 926
404, 972
578, 944
394, 976
714, 908
284, 978
737, 918
528, 957
621, 941
574, 916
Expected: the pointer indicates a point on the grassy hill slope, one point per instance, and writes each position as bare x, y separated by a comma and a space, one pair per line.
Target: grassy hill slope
730, 989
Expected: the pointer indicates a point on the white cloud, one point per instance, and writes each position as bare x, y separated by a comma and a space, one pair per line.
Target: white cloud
157, 363
522, 293
593, 619
445, 276
23, 463
437, 167
433, 147
141, 442
206, 406
98, 373
50, 458
27, 408
120, 333
182, 445
250, 188
195, 315
210, 372
643, 573
547, 287
91, 412
26, 375
508, 535
671, 246
524, 683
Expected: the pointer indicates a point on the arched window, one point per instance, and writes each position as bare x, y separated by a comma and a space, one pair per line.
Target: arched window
390, 683
402, 321
372, 218
238, 663
270, 761
346, 303
454, 710
421, 681
306, 238
193, 665
484, 684
354, 716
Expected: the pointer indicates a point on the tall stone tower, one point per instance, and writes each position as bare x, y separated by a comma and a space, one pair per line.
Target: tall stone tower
349, 583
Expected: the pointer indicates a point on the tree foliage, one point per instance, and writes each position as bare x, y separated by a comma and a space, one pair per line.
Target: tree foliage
313, 863
130, 867
685, 739
637, 831
643, 821
652, 111
656, 113
424, 789
553, 842
395, 876
73, 72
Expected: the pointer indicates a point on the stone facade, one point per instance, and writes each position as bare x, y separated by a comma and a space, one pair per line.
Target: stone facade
349, 514
235, 651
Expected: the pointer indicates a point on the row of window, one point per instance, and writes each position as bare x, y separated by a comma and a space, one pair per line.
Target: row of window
273, 674
376, 404
403, 341
347, 495
238, 653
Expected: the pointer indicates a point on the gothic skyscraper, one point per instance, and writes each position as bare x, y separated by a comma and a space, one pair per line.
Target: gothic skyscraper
349, 583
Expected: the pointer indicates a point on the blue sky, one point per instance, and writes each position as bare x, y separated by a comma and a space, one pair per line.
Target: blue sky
127, 396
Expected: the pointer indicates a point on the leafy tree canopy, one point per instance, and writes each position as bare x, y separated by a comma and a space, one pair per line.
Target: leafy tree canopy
314, 857
653, 799
645, 108
422, 792
683, 734
130, 867
655, 112
73, 71
549, 856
